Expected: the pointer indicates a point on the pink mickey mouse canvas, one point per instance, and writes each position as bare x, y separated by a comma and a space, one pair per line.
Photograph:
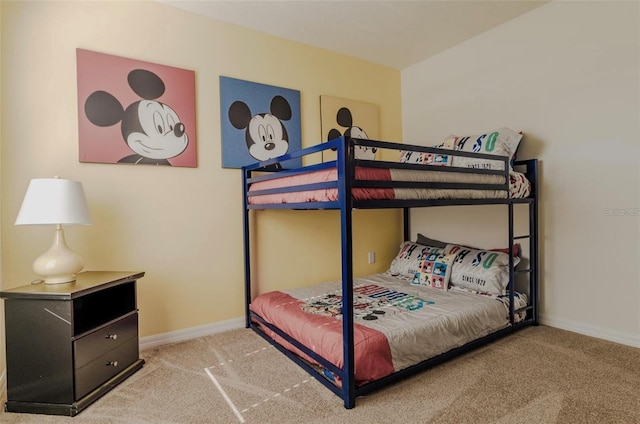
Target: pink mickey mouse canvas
135, 112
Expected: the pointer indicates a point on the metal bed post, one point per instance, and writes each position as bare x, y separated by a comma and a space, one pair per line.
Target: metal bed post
247, 257
345, 176
532, 171
405, 223
511, 265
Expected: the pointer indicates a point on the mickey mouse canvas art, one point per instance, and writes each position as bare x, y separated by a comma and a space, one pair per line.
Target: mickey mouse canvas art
339, 116
135, 112
258, 122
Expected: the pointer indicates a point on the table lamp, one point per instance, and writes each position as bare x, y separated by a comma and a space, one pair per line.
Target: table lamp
55, 201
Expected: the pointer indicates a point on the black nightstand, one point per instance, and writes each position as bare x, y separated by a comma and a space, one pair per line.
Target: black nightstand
68, 344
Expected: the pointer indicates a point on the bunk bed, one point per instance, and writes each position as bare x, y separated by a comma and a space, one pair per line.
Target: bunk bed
359, 359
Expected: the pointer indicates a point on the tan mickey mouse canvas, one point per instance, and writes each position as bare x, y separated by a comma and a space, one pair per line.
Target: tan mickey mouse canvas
135, 112
353, 118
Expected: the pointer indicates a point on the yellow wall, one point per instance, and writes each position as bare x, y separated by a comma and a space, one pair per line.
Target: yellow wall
183, 226
2, 358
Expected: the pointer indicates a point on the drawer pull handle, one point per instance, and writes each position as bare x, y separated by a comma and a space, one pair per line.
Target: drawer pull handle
112, 363
111, 336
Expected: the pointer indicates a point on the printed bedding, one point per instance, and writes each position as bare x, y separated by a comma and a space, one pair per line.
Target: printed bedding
396, 324
519, 186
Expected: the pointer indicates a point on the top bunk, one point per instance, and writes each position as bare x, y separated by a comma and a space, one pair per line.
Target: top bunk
420, 176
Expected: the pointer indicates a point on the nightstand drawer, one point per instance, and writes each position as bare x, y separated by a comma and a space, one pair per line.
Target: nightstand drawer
96, 344
95, 373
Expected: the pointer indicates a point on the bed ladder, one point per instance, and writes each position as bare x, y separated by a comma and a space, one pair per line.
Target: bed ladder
532, 308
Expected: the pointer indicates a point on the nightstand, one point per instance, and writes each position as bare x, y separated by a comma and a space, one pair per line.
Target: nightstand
68, 344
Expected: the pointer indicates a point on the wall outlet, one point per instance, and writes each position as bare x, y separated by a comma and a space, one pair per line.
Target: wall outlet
371, 257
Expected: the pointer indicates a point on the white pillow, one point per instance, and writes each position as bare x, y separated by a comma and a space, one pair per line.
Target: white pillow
502, 142
424, 158
485, 271
407, 261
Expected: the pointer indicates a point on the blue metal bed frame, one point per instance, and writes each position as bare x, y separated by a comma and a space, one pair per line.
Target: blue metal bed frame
346, 164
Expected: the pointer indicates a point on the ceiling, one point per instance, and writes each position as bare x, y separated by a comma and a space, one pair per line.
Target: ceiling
393, 33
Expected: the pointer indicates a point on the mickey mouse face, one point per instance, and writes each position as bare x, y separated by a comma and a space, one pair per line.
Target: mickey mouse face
344, 119
265, 134
150, 128
356, 132
269, 140
361, 152
162, 135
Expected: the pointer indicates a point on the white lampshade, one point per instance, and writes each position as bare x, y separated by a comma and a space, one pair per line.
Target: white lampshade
60, 202
54, 201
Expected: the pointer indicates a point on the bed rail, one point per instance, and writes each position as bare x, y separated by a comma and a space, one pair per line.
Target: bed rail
273, 171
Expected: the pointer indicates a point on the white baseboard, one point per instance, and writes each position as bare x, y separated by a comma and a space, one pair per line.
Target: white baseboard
190, 333
235, 323
591, 330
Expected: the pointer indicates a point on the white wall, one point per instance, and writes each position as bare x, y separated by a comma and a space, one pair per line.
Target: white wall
568, 75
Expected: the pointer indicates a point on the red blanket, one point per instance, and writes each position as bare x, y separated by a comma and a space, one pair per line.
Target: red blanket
372, 352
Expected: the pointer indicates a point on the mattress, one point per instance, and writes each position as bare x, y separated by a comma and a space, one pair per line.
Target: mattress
396, 324
519, 186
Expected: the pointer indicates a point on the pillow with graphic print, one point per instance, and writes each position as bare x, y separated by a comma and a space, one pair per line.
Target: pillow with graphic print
407, 261
501, 142
426, 158
481, 270
434, 271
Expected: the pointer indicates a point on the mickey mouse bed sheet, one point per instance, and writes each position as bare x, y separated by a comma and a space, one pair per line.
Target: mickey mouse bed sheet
519, 186
396, 324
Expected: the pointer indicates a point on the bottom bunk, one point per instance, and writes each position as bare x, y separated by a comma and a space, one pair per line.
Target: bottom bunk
433, 303
396, 324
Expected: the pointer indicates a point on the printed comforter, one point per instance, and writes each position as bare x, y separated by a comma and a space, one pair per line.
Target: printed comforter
519, 186
396, 324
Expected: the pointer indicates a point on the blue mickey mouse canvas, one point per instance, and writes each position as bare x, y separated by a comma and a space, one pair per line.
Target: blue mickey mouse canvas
258, 122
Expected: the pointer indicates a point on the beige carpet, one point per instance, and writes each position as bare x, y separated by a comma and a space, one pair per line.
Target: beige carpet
537, 375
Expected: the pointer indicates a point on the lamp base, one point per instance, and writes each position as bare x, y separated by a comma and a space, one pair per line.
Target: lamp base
59, 264
60, 279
